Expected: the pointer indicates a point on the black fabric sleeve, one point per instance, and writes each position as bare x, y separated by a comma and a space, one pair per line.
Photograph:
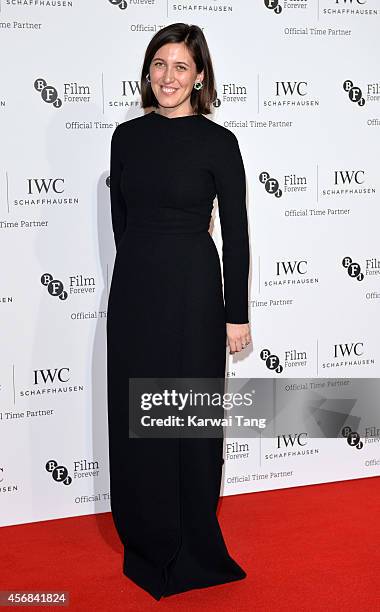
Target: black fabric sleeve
118, 204
231, 193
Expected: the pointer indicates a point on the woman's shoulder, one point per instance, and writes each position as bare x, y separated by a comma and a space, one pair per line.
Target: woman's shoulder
130, 124
218, 131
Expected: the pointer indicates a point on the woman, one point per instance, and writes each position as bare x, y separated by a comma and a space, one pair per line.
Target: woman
166, 315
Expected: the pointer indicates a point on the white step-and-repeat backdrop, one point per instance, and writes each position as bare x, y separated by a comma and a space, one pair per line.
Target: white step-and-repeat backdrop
299, 84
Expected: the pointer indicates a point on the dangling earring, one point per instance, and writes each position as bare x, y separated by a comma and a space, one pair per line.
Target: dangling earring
198, 85
147, 77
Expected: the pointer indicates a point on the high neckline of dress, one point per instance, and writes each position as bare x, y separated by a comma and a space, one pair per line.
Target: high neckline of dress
172, 118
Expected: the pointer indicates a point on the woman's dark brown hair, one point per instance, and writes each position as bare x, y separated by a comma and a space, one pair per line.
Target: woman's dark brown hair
196, 44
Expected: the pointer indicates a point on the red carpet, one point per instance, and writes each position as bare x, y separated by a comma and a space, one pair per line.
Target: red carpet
306, 548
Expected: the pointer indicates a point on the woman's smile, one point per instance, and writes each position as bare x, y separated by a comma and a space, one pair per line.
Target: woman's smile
168, 90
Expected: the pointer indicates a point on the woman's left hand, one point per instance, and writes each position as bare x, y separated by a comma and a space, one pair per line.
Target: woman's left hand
238, 336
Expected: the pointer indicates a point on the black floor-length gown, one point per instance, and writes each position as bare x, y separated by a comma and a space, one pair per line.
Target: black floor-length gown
167, 318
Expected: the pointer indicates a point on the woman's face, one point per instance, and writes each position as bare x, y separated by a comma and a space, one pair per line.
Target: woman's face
172, 75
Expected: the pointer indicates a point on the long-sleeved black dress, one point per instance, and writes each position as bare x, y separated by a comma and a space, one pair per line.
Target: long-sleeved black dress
167, 318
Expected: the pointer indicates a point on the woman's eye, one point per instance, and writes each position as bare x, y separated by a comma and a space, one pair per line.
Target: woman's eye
161, 64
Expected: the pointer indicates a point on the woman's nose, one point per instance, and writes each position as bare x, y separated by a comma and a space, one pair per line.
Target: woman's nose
169, 74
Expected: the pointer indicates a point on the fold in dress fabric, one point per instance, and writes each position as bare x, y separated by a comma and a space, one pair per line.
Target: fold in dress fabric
167, 317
